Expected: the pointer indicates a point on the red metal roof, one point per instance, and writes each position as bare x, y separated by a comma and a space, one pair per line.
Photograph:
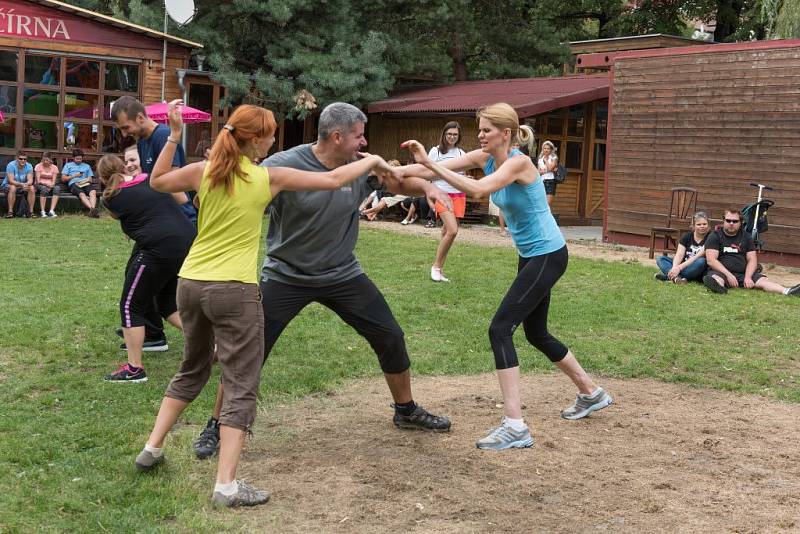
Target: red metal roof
528, 96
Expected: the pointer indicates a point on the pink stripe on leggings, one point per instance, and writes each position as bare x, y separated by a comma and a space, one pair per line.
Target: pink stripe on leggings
130, 296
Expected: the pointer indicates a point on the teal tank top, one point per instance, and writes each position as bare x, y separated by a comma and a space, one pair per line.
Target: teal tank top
528, 217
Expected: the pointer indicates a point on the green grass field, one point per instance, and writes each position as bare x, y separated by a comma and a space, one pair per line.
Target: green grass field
68, 440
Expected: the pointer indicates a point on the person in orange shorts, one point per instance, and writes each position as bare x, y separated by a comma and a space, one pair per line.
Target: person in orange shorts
447, 149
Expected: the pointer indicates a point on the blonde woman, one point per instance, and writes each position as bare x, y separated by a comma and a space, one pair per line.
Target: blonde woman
515, 186
219, 300
546, 163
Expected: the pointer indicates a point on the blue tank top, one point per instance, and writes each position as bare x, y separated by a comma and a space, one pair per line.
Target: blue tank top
528, 217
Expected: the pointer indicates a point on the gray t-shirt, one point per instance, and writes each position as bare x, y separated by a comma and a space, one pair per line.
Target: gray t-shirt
312, 234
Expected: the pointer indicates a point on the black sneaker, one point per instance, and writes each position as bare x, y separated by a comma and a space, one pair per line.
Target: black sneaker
160, 345
207, 442
127, 374
661, 276
713, 285
421, 419
794, 291
430, 223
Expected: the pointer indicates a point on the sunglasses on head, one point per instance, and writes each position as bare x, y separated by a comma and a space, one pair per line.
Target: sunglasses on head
732, 221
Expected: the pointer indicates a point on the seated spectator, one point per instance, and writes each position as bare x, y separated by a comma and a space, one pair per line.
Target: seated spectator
689, 262
409, 205
370, 202
19, 179
418, 207
47, 185
78, 176
732, 260
385, 202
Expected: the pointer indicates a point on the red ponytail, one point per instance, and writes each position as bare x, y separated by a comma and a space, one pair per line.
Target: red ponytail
246, 122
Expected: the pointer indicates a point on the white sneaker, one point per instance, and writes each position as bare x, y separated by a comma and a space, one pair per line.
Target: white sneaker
437, 275
53, 214
404, 222
43, 214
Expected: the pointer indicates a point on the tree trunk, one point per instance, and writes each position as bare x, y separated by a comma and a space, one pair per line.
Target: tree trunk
459, 58
729, 13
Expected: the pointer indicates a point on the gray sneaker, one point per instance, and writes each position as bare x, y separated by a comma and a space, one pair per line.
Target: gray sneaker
794, 291
246, 496
586, 404
146, 461
505, 437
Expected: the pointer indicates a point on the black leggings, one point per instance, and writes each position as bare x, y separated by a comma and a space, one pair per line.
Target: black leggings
357, 301
527, 302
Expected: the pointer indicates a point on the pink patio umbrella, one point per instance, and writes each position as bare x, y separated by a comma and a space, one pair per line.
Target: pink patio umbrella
158, 112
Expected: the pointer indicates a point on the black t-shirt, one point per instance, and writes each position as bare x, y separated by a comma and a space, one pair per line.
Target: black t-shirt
732, 249
152, 219
693, 248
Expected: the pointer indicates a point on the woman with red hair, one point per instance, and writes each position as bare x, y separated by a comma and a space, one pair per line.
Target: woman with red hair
218, 295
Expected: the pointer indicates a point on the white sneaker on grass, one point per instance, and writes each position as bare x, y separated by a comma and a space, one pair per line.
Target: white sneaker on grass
52, 214
437, 275
43, 214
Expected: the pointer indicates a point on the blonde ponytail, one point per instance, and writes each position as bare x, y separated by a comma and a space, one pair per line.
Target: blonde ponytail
525, 138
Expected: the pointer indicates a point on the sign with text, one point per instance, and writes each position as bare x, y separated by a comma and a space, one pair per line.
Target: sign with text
31, 21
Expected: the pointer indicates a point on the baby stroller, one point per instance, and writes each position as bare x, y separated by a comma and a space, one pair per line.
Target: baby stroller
755, 216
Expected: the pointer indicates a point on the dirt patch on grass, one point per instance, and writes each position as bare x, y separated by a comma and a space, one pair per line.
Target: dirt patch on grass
664, 458
490, 236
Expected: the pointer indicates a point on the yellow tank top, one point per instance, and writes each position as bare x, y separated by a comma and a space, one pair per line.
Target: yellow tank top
229, 229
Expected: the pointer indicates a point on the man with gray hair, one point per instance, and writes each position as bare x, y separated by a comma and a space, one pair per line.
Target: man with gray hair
310, 243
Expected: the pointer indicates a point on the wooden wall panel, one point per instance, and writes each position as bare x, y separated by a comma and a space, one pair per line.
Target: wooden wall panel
151, 90
714, 121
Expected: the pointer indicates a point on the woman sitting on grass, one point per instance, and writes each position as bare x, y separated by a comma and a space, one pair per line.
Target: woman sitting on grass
162, 237
689, 262
516, 187
218, 294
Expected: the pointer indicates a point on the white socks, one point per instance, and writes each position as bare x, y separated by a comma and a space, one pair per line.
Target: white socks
155, 451
517, 425
227, 489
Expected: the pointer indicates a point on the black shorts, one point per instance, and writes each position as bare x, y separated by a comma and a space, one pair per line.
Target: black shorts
148, 279
739, 277
549, 187
75, 190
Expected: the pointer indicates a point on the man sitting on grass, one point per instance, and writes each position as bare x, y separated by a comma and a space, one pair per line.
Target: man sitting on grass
732, 260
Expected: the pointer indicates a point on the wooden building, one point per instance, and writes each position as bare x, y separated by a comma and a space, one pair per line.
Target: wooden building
62, 67
571, 112
595, 55
715, 118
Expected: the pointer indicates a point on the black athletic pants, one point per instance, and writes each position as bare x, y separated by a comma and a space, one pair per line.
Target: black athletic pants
357, 301
527, 302
153, 325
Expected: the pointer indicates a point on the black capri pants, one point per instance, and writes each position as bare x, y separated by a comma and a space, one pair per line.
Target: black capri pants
357, 301
149, 280
528, 301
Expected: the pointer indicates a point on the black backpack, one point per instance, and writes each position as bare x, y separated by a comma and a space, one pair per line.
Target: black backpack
559, 174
